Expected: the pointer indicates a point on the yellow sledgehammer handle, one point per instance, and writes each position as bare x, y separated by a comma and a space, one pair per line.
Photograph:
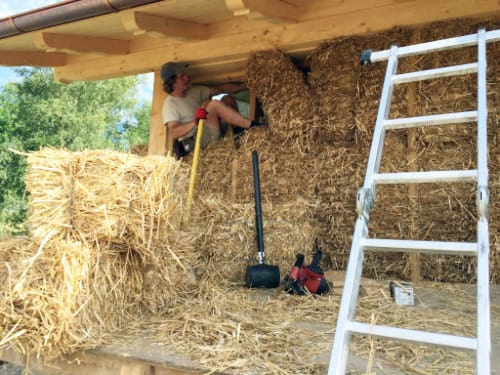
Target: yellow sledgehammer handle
196, 158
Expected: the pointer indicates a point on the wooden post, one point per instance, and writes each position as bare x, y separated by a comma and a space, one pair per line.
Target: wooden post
159, 141
252, 111
415, 265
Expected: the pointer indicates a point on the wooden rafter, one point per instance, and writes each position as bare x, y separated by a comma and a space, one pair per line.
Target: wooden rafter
274, 10
141, 23
71, 43
39, 59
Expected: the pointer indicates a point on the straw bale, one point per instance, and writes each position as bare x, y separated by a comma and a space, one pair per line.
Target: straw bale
63, 296
172, 278
44, 295
337, 81
106, 246
105, 196
228, 171
229, 242
283, 92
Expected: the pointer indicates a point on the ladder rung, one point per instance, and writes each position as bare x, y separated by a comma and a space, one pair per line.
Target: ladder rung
431, 120
435, 73
468, 175
402, 334
414, 246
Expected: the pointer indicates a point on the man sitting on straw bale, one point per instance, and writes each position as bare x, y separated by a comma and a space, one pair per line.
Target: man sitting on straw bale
186, 104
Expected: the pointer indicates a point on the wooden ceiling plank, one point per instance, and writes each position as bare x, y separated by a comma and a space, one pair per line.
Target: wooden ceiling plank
38, 59
275, 10
215, 78
71, 43
141, 23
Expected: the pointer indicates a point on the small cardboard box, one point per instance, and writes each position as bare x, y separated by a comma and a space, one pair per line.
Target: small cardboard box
402, 293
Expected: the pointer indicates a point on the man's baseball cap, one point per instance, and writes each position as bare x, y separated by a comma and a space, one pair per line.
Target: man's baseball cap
171, 69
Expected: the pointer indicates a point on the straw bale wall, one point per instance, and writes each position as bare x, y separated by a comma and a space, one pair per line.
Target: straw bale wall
317, 142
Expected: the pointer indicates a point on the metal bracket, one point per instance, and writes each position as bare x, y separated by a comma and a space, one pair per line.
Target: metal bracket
365, 57
365, 199
482, 201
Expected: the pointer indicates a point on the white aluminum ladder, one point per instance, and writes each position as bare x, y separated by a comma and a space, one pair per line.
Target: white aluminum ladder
346, 325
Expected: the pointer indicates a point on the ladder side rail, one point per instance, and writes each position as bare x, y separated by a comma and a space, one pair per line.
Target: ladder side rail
377, 145
483, 300
436, 46
340, 351
482, 121
483, 308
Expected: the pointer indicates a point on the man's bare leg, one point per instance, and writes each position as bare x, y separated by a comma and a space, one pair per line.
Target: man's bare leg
232, 130
218, 110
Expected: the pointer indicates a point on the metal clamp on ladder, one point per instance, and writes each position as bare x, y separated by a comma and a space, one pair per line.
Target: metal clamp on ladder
346, 325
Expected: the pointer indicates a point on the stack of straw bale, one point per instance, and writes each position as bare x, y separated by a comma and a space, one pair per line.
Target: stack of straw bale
322, 160
317, 143
316, 147
105, 247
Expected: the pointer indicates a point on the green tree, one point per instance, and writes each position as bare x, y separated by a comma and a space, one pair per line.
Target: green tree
37, 112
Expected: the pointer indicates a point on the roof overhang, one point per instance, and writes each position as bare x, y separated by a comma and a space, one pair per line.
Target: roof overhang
215, 37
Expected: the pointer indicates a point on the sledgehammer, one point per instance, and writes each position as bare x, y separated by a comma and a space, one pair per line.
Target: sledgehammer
261, 275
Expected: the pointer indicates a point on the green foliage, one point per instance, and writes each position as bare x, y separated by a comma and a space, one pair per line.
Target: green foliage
39, 112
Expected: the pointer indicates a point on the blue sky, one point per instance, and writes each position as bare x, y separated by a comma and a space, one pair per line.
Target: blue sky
11, 7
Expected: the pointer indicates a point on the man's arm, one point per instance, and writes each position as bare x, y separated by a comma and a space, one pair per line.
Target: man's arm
179, 129
228, 88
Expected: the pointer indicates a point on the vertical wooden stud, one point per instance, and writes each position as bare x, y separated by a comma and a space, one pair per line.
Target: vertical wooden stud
159, 142
252, 111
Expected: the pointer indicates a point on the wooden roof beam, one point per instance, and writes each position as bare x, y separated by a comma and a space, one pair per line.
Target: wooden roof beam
142, 23
276, 11
216, 78
39, 59
72, 43
295, 38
